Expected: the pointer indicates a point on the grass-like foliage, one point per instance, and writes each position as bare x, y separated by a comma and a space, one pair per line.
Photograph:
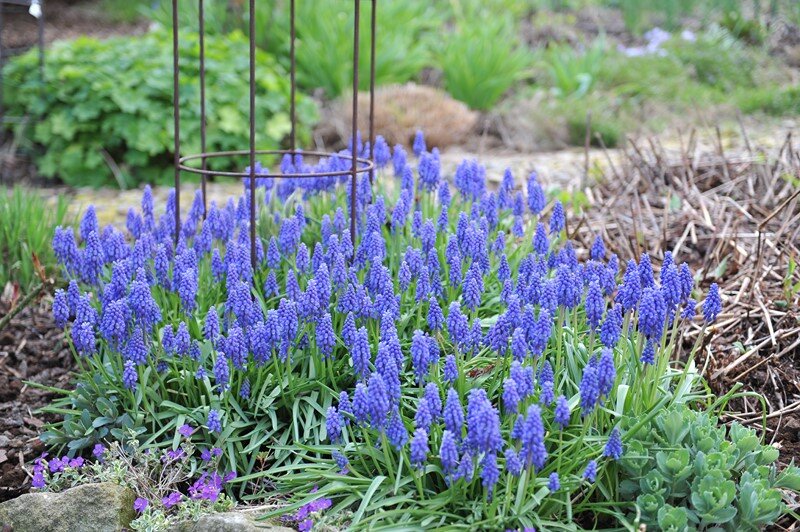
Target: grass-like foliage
102, 119
480, 62
26, 226
461, 365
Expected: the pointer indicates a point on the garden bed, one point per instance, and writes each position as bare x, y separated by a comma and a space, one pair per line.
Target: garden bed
32, 349
735, 218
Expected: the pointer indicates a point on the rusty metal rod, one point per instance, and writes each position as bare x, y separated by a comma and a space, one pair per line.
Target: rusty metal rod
202, 30
373, 24
354, 148
176, 112
292, 74
253, 133
365, 164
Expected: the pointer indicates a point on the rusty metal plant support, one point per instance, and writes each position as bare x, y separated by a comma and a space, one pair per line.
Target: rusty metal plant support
359, 165
7, 52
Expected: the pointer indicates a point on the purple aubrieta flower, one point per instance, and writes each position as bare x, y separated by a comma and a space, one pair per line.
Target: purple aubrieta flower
99, 451
173, 499
712, 305
185, 430
140, 505
613, 448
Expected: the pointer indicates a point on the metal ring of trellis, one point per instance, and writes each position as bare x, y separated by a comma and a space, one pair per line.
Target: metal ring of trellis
359, 165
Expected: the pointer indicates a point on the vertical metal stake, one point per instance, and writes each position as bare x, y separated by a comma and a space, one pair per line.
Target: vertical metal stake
253, 133
2, 60
293, 112
373, 25
354, 150
202, 30
177, 116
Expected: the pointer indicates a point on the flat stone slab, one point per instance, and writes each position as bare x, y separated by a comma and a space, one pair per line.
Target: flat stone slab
103, 507
231, 522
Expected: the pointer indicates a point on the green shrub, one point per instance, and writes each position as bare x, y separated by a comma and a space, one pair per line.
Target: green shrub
716, 59
573, 72
325, 37
482, 59
775, 101
685, 471
27, 223
111, 101
606, 130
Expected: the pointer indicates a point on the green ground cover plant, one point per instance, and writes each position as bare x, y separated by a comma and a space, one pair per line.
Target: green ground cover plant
27, 221
459, 365
104, 119
687, 472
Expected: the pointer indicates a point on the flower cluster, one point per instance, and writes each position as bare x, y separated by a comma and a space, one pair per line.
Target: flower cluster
459, 331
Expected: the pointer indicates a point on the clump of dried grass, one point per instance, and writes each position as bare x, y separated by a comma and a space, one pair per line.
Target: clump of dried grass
400, 110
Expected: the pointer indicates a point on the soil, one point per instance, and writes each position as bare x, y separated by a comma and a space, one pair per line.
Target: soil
63, 19
31, 351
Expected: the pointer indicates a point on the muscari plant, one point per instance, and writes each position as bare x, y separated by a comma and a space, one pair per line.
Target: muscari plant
461, 364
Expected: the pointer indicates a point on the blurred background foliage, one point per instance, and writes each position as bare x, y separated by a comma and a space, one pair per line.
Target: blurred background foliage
533, 68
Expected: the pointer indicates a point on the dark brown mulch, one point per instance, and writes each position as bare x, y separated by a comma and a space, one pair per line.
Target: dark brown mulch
31, 349
64, 19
